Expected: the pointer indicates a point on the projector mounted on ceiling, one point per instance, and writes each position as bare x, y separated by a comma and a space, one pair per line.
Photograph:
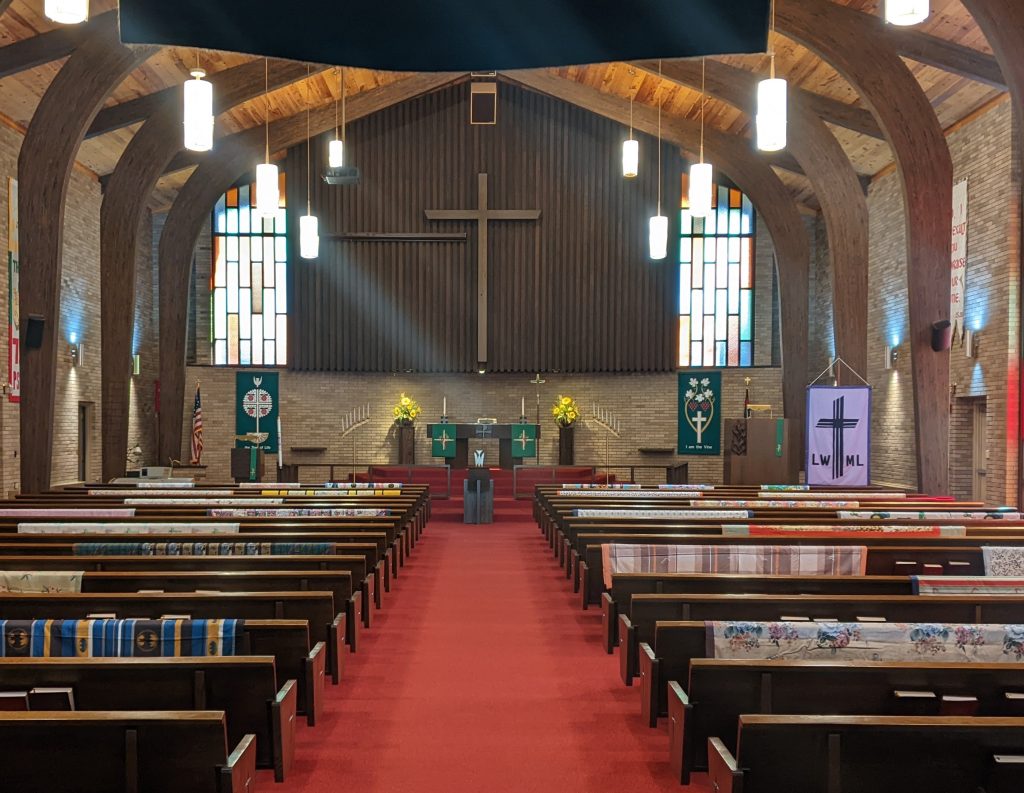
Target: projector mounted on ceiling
346, 174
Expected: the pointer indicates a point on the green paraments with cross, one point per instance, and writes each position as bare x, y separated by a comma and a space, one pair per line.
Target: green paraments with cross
442, 440
524, 440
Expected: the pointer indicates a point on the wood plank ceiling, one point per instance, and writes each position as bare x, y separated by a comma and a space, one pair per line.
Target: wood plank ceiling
953, 96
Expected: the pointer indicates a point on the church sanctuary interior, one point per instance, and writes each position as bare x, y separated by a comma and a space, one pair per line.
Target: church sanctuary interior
545, 396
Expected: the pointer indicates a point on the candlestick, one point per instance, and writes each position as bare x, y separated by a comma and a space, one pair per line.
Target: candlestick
522, 407
444, 409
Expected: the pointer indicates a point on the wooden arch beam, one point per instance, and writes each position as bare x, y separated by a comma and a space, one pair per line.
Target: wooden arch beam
843, 205
236, 155
47, 47
854, 44
124, 201
44, 171
774, 204
1002, 22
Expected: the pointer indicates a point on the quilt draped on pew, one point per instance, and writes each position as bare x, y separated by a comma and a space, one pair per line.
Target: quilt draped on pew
595, 486
697, 488
625, 495
41, 581
779, 504
203, 502
749, 559
113, 638
128, 528
786, 488
64, 512
866, 515
202, 548
966, 585
323, 493
796, 530
835, 495
298, 512
665, 514
1003, 560
363, 485
868, 641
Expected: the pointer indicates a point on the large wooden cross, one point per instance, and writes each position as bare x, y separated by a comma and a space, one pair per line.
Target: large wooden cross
483, 214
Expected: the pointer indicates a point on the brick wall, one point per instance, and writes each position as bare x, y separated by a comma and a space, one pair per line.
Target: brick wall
79, 313
312, 404
986, 152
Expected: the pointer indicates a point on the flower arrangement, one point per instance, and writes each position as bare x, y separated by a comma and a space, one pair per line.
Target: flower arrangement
406, 411
565, 411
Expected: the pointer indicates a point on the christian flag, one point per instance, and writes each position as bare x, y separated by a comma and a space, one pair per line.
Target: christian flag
197, 430
839, 436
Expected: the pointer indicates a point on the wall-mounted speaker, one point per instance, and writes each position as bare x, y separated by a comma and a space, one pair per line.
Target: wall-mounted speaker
34, 331
942, 335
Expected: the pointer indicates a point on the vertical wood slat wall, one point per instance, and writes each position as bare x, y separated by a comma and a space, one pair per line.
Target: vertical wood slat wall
572, 292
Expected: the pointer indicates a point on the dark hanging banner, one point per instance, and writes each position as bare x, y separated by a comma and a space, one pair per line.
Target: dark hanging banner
454, 35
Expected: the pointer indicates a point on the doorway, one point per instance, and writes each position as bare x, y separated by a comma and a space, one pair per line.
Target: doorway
979, 450
84, 430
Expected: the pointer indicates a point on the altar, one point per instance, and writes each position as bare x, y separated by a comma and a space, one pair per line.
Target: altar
464, 434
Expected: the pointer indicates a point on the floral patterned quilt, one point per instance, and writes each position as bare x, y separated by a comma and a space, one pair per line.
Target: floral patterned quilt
853, 641
128, 528
665, 514
1003, 560
801, 530
966, 585
781, 504
41, 581
932, 515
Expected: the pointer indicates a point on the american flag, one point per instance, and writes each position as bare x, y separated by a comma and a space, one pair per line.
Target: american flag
197, 429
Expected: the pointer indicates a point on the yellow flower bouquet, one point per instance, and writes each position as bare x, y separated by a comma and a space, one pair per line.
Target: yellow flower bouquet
406, 411
565, 411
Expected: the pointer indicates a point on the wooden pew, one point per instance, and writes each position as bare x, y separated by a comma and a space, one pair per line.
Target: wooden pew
345, 580
647, 610
64, 545
626, 585
719, 691
276, 623
134, 752
244, 687
882, 754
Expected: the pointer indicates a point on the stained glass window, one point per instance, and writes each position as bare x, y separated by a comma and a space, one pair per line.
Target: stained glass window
716, 281
248, 294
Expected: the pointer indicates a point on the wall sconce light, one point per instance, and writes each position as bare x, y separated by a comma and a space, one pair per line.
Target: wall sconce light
136, 365
76, 351
892, 354
970, 343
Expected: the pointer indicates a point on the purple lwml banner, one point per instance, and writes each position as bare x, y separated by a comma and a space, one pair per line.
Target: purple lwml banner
839, 436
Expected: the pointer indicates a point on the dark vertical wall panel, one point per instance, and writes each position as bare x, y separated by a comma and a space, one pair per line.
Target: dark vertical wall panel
573, 291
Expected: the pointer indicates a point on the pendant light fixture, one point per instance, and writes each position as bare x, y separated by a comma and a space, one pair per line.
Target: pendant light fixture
309, 226
630, 147
701, 173
336, 148
67, 12
198, 116
771, 104
658, 227
906, 12
268, 190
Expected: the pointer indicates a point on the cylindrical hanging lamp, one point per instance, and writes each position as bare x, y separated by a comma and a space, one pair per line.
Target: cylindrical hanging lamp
630, 158
198, 116
771, 114
658, 237
336, 148
702, 181
336, 153
268, 189
906, 12
309, 237
67, 12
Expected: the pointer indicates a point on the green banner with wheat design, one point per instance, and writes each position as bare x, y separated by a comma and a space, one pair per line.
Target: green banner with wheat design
700, 415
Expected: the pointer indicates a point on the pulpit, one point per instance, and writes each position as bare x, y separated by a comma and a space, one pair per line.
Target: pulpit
502, 433
242, 464
760, 451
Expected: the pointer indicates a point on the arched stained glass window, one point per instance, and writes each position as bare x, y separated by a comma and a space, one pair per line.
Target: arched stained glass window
716, 282
248, 293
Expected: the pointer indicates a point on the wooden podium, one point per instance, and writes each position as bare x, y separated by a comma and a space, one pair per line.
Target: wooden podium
240, 461
753, 455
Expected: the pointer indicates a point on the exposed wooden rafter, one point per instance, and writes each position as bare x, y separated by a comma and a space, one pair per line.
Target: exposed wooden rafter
47, 47
733, 80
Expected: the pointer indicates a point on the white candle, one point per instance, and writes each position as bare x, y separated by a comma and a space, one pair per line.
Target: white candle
444, 409
522, 407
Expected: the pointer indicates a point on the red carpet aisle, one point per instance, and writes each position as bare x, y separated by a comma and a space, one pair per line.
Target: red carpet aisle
479, 675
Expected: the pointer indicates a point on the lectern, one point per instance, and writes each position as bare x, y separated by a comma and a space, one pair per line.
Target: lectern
241, 464
761, 451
